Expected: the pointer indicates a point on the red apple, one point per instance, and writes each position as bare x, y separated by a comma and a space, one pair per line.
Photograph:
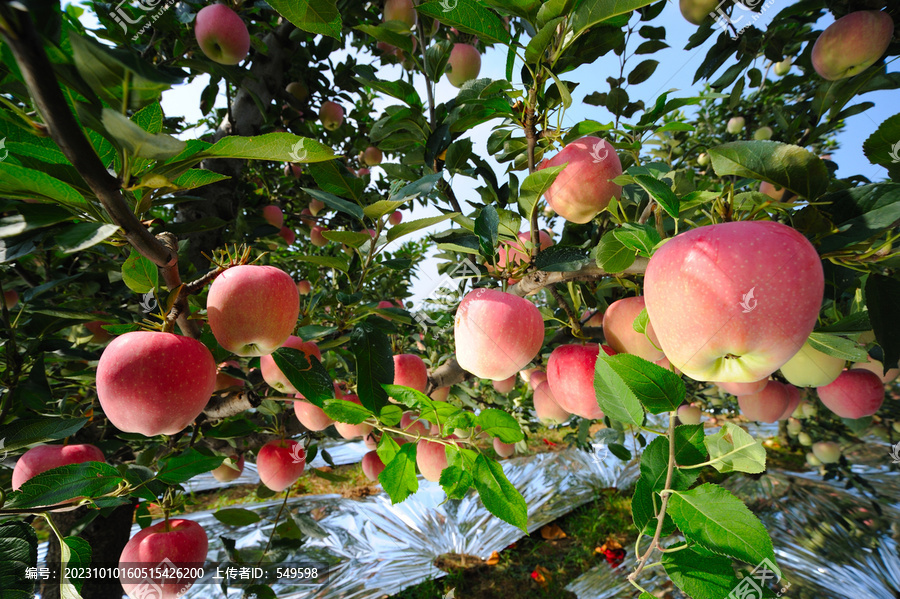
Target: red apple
225, 380
363, 172
316, 206
767, 405
331, 115
618, 326
733, 302
738, 389
311, 416
170, 544
273, 215
273, 375
431, 458
536, 378
811, 368
293, 170
352, 431
465, 64
288, 235
221, 34
372, 156
297, 89
570, 373
546, 407
280, 463
854, 394
231, 469
506, 385
304, 287
504, 450
852, 44
878, 368
154, 383
594, 320
372, 465
794, 398
410, 371
496, 333
774, 192
101, 335
584, 188
395, 218
316, 237
46, 457
400, 10
411, 423
440, 394
513, 253
252, 309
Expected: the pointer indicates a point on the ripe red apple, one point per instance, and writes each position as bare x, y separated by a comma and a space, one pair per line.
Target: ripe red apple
827, 452
311, 416
465, 64
101, 335
181, 542
221, 34
372, 156
854, 394
618, 326
273, 375
316, 206
46, 457
584, 188
231, 469
372, 465
410, 371
316, 237
440, 394
225, 380
395, 218
352, 431
570, 373
735, 124
852, 44
766, 406
506, 385
431, 458
496, 333
878, 368
513, 253
411, 423
297, 89
697, 11
811, 368
280, 463
400, 10
293, 170
689, 414
288, 235
504, 450
154, 383
594, 320
304, 287
331, 115
733, 302
273, 215
546, 407
252, 309
738, 389
774, 192
363, 172
10, 298
794, 398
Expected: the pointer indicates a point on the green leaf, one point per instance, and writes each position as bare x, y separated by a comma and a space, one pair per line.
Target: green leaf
281, 147
701, 576
718, 521
185, 466
315, 16
612, 255
336, 203
469, 17
75, 554
883, 146
536, 47
388, 35
236, 516
837, 346
784, 165
334, 178
658, 389
689, 445
882, 299
660, 192
18, 551
591, 12
534, 186
399, 475
655, 463
88, 479
136, 141
500, 424
614, 396
642, 72
645, 505
455, 481
860, 213
139, 273
497, 493
381, 208
420, 187
306, 374
561, 258
732, 449
346, 411
487, 227
640, 238
411, 398
399, 89
81, 236
387, 449
337, 262
23, 433
21, 183
405, 228
350, 238
374, 365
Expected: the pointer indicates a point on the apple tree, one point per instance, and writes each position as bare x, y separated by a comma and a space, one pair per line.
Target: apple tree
182, 296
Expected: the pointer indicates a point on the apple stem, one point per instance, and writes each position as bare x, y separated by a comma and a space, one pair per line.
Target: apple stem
287, 494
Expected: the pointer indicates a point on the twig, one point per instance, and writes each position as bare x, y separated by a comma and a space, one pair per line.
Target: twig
573, 320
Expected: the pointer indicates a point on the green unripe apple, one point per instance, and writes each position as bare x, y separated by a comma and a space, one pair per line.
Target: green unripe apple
697, 11
735, 124
804, 439
794, 427
762, 133
703, 159
813, 460
828, 452
781, 68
